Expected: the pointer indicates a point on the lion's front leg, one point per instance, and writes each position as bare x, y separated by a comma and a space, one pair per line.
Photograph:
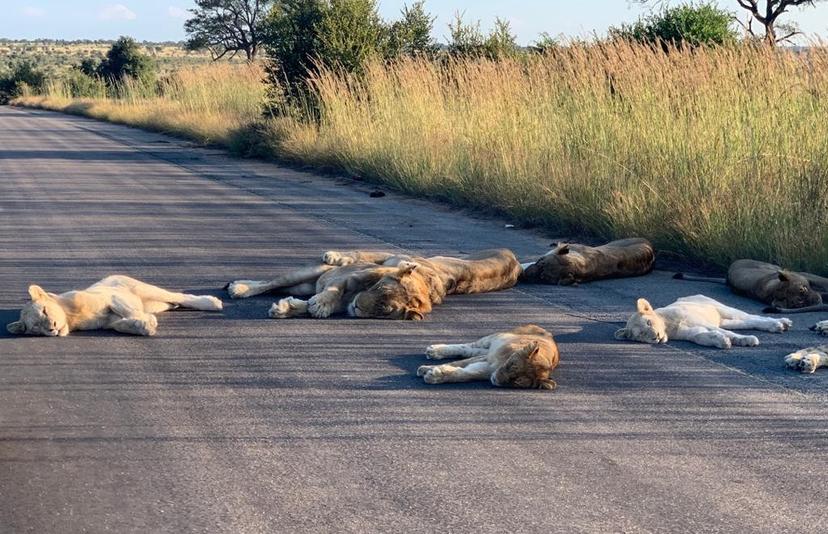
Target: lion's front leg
288, 307
337, 258
144, 326
326, 303
706, 337
447, 373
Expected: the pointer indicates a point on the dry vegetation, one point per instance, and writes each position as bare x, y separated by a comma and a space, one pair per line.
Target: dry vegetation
715, 153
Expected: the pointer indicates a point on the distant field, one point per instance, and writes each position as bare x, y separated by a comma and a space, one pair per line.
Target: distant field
55, 57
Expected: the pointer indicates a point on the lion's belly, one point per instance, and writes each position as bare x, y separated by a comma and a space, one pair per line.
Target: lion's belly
690, 315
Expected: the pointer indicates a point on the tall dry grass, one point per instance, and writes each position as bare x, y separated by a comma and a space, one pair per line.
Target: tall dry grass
719, 153
208, 104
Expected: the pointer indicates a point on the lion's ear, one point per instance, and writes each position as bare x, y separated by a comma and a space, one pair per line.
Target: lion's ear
414, 315
406, 267
783, 276
643, 306
38, 294
621, 333
563, 250
16, 327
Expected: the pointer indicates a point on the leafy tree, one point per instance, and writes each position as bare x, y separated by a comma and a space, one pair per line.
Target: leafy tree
500, 43
124, 59
291, 43
411, 36
227, 27
465, 39
694, 25
89, 66
350, 32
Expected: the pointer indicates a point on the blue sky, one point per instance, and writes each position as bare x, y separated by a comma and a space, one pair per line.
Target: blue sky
160, 20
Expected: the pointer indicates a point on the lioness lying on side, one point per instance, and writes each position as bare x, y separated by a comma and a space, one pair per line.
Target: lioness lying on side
382, 285
569, 264
785, 291
808, 360
117, 302
697, 319
520, 358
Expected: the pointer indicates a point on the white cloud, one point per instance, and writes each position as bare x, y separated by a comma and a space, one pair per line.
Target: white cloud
31, 11
116, 12
178, 13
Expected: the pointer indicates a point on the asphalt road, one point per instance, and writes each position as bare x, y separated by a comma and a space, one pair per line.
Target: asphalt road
235, 423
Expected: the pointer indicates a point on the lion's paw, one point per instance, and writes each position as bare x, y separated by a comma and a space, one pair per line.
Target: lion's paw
435, 376
336, 258
212, 303
285, 308
323, 305
149, 325
781, 325
240, 289
424, 369
747, 341
821, 328
787, 323
433, 352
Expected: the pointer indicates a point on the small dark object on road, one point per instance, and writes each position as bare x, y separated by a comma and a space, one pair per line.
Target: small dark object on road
376, 193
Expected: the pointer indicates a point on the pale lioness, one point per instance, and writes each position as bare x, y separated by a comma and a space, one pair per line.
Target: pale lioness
697, 319
117, 302
520, 358
570, 263
808, 360
382, 285
785, 291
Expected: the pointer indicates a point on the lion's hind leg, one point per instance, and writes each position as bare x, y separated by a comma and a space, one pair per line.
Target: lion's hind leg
468, 370
157, 299
460, 350
242, 289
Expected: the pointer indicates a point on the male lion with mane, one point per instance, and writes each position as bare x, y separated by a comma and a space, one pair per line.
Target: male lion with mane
697, 319
117, 302
520, 358
382, 285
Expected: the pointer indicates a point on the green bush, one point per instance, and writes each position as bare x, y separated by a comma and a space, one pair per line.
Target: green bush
691, 24
21, 76
125, 60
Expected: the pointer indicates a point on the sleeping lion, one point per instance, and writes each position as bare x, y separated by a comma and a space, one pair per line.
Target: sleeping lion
785, 291
808, 360
117, 302
697, 319
570, 263
382, 285
520, 358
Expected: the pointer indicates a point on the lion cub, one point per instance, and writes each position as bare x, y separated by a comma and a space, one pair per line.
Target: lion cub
117, 302
520, 358
697, 319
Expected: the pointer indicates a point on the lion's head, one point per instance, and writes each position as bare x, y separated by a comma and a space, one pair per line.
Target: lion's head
556, 267
399, 295
526, 368
645, 326
43, 316
794, 291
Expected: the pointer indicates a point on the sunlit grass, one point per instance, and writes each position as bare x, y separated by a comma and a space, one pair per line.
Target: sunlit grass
719, 154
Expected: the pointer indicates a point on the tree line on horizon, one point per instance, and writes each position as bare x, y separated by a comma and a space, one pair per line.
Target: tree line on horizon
300, 36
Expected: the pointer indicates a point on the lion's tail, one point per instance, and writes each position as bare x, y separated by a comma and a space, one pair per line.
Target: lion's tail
693, 278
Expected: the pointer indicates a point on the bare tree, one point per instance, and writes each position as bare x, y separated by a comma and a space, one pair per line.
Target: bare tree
227, 27
767, 13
